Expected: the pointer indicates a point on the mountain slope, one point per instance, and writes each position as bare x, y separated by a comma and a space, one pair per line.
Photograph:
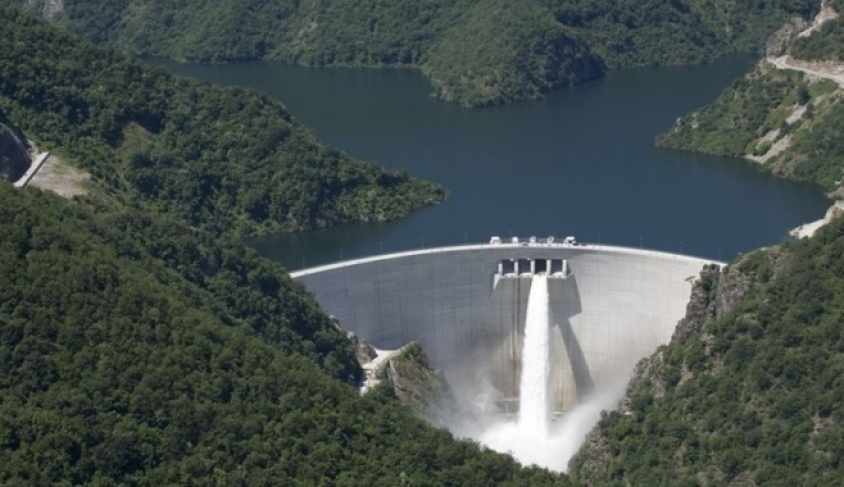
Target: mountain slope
785, 119
134, 351
754, 396
475, 52
504, 52
225, 159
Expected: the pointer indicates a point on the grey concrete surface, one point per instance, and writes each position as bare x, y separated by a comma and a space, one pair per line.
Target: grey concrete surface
615, 307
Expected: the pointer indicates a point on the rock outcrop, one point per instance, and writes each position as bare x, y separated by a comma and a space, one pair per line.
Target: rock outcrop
418, 386
364, 352
14, 152
714, 294
411, 378
782, 39
700, 307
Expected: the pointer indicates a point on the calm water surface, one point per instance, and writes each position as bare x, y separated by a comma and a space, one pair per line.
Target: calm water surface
580, 162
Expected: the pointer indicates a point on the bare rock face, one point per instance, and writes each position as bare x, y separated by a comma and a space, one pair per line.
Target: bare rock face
701, 305
714, 294
363, 350
781, 40
14, 152
732, 288
52, 8
418, 386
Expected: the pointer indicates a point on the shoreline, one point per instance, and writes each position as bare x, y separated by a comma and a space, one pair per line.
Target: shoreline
807, 230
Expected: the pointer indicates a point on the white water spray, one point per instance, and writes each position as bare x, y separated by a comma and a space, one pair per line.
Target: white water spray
533, 439
534, 414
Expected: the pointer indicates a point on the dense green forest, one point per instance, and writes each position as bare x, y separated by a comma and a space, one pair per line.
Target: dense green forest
224, 159
135, 351
754, 398
506, 51
475, 52
634, 32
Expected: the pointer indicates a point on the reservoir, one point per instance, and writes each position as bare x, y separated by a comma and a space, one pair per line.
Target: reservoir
579, 162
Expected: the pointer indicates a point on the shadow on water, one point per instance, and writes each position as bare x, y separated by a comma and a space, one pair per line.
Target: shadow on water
580, 162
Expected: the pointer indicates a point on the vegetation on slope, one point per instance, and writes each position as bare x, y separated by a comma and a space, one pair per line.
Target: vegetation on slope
767, 107
220, 158
135, 351
635, 33
475, 51
827, 44
749, 109
754, 398
505, 51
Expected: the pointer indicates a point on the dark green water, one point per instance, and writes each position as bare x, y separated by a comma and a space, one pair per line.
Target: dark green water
580, 162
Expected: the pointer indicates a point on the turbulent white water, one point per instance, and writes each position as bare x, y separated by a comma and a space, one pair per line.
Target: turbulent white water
534, 413
564, 436
533, 438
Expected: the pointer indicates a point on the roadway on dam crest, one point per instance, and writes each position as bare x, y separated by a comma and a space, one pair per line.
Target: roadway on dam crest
523, 245
614, 306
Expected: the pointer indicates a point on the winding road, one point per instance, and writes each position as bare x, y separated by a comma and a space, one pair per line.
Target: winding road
785, 62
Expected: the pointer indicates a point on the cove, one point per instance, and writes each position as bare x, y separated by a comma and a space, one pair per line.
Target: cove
579, 162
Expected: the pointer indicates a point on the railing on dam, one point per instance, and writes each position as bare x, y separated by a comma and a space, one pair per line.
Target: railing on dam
500, 246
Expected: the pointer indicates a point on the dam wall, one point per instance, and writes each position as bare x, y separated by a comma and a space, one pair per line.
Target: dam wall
466, 305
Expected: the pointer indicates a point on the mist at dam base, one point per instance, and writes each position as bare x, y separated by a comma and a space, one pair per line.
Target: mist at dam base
534, 437
564, 436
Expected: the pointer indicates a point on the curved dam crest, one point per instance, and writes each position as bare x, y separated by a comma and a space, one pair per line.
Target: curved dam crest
467, 306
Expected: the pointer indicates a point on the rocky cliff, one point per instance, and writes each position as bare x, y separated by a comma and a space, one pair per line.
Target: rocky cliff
14, 152
418, 386
409, 377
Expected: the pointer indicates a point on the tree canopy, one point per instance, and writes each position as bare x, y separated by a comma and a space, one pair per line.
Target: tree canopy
137, 351
224, 159
475, 52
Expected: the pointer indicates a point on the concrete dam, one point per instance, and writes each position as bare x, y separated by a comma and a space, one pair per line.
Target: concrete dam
608, 307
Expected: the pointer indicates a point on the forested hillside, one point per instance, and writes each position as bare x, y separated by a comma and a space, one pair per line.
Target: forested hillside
507, 51
827, 45
224, 159
134, 351
787, 121
753, 397
139, 343
634, 32
475, 52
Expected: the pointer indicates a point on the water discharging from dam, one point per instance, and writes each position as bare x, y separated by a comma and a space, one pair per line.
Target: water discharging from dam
534, 413
533, 438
